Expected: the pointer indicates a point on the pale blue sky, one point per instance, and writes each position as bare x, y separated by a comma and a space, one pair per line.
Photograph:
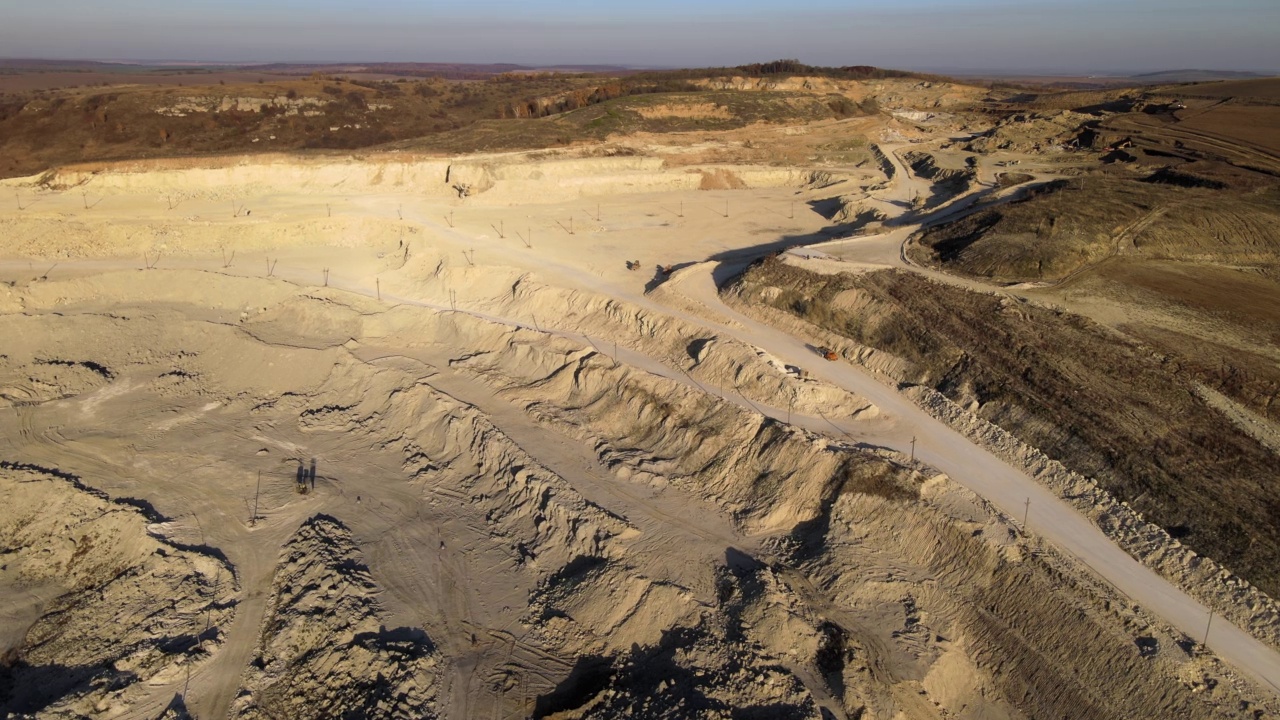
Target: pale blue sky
1030, 36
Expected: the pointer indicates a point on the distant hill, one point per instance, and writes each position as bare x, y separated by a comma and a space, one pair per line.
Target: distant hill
452, 71
1187, 76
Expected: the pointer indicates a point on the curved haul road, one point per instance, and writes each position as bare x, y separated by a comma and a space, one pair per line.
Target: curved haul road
979, 470
1008, 489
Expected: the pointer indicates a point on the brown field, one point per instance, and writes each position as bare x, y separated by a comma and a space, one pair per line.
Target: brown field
1258, 125
1262, 89
23, 82
1243, 297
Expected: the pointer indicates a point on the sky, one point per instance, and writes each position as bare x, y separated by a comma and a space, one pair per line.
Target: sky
1026, 36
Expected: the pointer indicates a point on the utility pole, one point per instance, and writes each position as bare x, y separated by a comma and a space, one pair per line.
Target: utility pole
254, 520
1026, 510
1206, 628
790, 401
378, 282
913, 449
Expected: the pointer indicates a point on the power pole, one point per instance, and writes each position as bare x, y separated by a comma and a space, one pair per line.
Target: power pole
1026, 510
254, 520
1206, 628
913, 449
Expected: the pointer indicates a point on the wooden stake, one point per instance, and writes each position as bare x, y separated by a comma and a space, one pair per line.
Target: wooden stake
254, 520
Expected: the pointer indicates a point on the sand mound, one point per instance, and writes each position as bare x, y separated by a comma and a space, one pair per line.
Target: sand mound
106, 607
324, 650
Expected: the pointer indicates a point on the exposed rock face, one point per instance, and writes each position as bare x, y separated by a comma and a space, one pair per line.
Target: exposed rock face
323, 651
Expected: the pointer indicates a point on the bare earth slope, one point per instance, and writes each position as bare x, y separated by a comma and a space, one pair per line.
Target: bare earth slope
104, 607
538, 600
1103, 406
323, 651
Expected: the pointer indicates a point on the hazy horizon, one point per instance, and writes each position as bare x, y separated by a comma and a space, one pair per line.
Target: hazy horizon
940, 35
